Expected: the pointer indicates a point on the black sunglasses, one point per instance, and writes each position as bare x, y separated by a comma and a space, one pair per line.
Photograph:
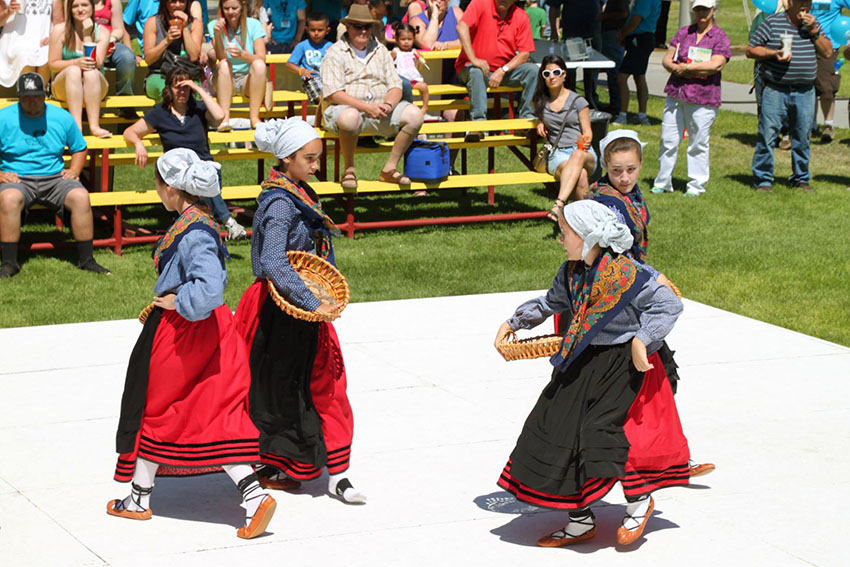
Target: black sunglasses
360, 27
552, 72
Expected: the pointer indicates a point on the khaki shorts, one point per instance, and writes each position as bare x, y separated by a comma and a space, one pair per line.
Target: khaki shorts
57, 85
49, 190
239, 82
386, 127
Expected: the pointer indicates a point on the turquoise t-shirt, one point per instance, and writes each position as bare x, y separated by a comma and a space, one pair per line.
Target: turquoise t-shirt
649, 10
254, 29
34, 146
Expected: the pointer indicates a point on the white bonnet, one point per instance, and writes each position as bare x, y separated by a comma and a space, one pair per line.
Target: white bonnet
183, 169
597, 224
284, 137
613, 135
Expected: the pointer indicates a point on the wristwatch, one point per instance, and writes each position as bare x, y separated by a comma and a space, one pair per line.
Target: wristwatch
815, 34
505, 68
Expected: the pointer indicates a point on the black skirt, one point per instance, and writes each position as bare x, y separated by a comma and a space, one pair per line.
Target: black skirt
575, 431
282, 355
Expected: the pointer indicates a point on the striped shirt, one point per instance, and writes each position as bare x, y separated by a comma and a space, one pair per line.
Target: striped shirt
802, 68
366, 79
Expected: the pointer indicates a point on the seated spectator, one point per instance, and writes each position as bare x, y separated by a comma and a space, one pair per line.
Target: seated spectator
33, 138
638, 36
306, 58
333, 10
408, 62
77, 76
240, 48
172, 37
379, 13
437, 26
362, 93
109, 15
288, 20
182, 122
413, 9
138, 12
24, 36
564, 121
487, 63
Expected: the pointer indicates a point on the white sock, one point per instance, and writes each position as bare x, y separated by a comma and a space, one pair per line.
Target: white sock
340, 485
641, 114
829, 122
139, 499
581, 522
622, 117
637, 508
253, 494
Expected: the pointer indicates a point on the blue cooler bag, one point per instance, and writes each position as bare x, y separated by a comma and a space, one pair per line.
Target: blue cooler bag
427, 161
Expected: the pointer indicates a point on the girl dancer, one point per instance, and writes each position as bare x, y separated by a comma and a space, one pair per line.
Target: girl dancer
622, 157
185, 403
608, 413
298, 382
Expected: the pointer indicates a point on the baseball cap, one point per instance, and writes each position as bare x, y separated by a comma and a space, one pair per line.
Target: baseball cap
31, 84
704, 4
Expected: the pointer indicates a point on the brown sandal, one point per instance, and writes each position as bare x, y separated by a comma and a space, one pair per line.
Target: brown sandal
349, 179
394, 176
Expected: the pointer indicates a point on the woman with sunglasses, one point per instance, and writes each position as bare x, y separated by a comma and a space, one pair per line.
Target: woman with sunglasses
564, 120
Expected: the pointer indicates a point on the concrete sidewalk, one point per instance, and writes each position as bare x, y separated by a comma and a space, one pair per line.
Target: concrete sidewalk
437, 413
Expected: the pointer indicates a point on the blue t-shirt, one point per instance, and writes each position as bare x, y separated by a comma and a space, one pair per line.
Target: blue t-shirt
308, 55
255, 31
34, 146
283, 14
826, 11
649, 10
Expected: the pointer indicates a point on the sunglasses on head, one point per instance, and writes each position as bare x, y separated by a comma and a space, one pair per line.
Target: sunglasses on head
360, 27
552, 73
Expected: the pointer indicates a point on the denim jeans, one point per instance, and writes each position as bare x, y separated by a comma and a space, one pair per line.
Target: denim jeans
524, 76
406, 89
124, 61
217, 205
779, 104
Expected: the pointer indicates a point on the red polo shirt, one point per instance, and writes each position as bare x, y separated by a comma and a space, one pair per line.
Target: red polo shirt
493, 39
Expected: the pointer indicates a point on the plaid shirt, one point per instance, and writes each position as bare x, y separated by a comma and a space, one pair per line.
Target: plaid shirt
342, 70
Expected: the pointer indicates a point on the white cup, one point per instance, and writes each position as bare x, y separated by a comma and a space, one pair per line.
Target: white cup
786, 39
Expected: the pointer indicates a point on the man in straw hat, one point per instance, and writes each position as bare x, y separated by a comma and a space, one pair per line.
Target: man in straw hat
362, 93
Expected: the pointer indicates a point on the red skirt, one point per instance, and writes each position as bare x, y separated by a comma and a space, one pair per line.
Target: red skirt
657, 451
316, 430
194, 408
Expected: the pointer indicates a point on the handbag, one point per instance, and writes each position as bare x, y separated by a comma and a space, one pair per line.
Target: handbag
171, 60
427, 161
541, 160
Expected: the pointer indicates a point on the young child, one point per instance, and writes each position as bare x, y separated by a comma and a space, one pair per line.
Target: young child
407, 61
298, 380
622, 158
608, 414
185, 402
307, 56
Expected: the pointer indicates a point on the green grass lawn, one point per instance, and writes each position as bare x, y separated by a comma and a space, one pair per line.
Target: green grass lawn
777, 258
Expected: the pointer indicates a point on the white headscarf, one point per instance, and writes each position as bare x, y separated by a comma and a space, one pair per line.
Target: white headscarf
597, 224
284, 137
613, 135
183, 169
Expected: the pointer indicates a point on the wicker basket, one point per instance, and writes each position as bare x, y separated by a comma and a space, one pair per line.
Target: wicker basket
513, 348
321, 278
676, 290
143, 316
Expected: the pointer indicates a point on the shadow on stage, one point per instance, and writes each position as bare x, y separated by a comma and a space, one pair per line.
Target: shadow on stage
214, 499
533, 522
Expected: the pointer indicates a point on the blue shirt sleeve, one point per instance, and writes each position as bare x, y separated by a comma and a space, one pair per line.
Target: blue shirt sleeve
203, 289
131, 12
297, 55
659, 308
273, 260
535, 311
762, 34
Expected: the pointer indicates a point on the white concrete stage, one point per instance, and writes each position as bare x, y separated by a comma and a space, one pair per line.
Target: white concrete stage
437, 412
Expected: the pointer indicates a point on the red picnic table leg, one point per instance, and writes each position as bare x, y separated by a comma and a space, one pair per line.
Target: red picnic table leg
104, 170
304, 110
117, 231
349, 216
290, 109
491, 168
